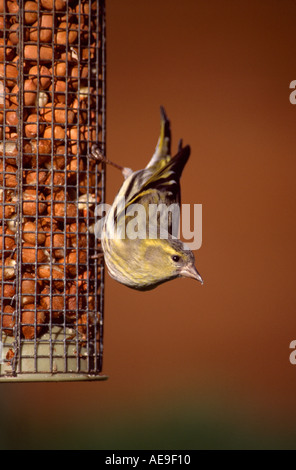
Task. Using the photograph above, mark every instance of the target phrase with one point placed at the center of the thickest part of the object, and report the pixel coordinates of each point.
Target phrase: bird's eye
(175, 258)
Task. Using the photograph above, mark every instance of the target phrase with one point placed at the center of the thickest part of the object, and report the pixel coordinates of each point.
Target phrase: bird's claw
(96, 153)
(99, 157)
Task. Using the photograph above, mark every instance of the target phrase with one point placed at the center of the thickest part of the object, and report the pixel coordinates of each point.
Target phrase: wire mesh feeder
(52, 109)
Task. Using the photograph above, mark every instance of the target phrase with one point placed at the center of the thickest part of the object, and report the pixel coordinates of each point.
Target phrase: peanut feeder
(52, 110)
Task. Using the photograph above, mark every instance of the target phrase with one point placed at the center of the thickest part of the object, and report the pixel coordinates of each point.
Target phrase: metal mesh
(52, 109)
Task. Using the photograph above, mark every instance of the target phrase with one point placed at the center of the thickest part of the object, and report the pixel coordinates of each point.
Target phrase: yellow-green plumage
(144, 263)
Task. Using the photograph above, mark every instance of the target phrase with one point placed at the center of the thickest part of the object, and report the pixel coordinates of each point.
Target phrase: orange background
(194, 366)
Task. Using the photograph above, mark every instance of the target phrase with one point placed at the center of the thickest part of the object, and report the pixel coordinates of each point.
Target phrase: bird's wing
(161, 188)
(165, 180)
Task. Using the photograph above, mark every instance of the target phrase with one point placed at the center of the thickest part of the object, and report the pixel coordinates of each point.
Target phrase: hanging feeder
(52, 110)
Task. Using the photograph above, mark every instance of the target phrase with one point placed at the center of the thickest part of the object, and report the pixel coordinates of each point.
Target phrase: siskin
(145, 262)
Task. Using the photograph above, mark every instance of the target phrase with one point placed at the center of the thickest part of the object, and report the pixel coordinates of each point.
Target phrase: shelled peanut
(53, 97)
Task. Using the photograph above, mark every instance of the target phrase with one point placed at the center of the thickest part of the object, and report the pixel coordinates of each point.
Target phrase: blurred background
(191, 366)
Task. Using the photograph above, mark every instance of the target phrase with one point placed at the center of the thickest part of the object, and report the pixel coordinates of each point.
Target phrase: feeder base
(51, 378)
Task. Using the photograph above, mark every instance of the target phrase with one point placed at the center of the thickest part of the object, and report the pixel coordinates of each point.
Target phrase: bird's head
(169, 258)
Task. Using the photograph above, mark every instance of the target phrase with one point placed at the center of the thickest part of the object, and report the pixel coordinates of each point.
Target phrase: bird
(144, 262)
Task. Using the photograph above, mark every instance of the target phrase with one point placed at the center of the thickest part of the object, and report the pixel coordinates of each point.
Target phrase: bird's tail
(162, 153)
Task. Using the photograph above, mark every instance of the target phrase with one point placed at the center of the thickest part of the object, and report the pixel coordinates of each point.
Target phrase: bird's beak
(191, 271)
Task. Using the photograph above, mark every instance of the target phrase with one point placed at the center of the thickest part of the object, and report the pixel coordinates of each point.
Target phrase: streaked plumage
(145, 263)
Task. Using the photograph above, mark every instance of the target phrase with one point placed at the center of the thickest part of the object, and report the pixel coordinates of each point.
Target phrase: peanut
(56, 240)
(60, 114)
(10, 72)
(31, 255)
(31, 52)
(7, 239)
(12, 6)
(66, 33)
(31, 12)
(30, 234)
(14, 33)
(58, 133)
(8, 290)
(44, 147)
(45, 27)
(28, 321)
(33, 126)
(30, 92)
(55, 273)
(59, 89)
(60, 207)
(8, 273)
(54, 303)
(73, 301)
(11, 116)
(29, 288)
(42, 75)
(30, 202)
(31, 177)
(8, 320)
(59, 5)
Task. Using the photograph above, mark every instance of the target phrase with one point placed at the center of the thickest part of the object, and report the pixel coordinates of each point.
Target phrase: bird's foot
(100, 158)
